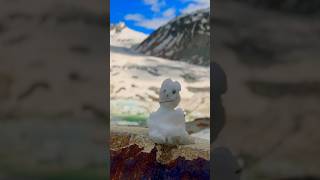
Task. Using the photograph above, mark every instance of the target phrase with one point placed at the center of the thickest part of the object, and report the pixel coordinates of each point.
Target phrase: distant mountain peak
(118, 27)
(122, 35)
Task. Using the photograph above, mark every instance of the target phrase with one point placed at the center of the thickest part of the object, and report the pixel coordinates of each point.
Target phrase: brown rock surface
(134, 155)
(122, 136)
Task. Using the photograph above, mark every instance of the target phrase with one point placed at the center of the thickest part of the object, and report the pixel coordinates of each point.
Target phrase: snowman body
(167, 124)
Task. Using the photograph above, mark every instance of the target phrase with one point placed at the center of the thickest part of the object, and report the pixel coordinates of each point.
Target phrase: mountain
(185, 38)
(121, 35)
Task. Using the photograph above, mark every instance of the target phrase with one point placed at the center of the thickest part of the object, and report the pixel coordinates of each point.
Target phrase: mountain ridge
(184, 38)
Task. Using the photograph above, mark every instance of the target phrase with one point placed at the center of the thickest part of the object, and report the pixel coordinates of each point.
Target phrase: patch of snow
(204, 134)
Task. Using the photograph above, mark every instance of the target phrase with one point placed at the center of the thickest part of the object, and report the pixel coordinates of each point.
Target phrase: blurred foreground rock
(50, 68)
(45, 147)
(53, 80)
(271, 61)
(134, 155)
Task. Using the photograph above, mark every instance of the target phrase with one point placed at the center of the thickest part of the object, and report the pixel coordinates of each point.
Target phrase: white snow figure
(167, 124)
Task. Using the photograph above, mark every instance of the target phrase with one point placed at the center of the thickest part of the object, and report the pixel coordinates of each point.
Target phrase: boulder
(133, 154)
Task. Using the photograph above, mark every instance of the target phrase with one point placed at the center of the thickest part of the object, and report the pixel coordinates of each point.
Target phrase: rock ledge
(123, 136)
(133, 154)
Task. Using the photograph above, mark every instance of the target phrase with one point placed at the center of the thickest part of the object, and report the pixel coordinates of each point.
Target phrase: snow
(168, 122)
(126, 37)
(204, 134)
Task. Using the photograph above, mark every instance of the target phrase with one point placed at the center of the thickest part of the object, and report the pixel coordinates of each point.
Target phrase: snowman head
(170, 93)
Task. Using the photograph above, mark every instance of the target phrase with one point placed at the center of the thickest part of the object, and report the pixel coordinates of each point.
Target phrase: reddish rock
(131, 163)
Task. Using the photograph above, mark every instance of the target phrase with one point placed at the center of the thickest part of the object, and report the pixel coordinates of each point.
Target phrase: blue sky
(147, 15)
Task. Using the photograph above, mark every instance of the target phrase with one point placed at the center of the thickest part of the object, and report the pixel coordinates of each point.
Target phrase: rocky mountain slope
(185, 38)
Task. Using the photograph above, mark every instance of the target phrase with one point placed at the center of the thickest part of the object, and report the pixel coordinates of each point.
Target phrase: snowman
(167, 124)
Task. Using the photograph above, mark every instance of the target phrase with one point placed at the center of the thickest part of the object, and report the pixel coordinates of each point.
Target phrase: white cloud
(171, 12)
(154, 22)
(134, 17)
(155, 4)
(195, 5)
(161, 17)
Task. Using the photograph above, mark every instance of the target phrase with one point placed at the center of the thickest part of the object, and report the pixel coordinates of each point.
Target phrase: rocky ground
(270, 56)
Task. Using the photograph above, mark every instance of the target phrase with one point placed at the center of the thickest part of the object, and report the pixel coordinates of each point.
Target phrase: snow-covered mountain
(121, 35)
(185, 38)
